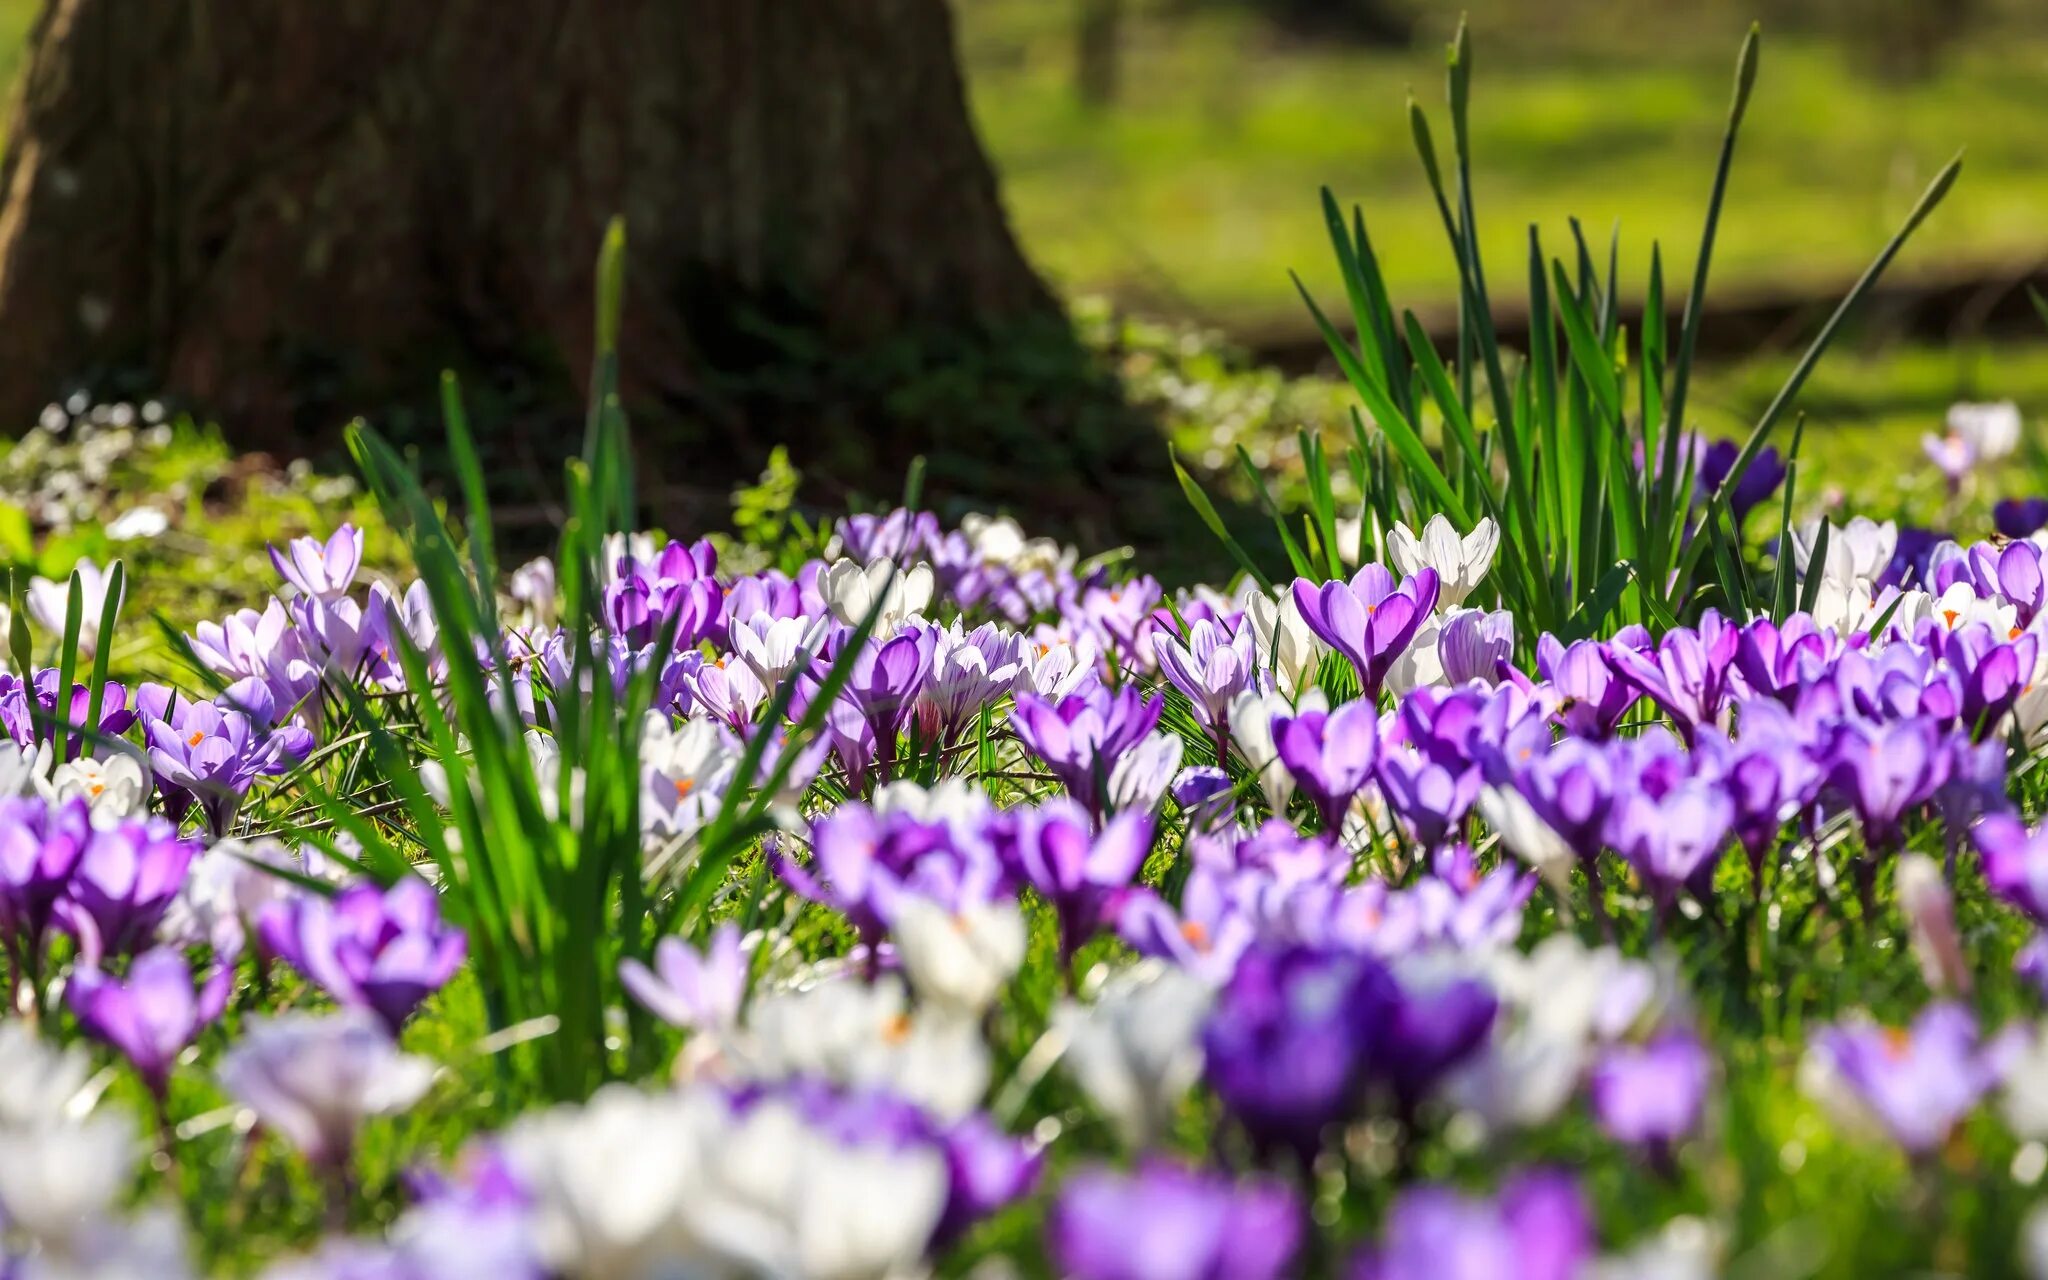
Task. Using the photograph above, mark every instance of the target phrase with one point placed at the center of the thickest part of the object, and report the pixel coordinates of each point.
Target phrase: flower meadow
(1577, 862)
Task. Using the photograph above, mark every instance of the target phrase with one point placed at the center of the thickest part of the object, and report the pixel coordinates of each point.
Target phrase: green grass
(1195, 193)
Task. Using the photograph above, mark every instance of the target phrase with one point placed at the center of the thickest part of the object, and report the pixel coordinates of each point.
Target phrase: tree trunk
(289, 211)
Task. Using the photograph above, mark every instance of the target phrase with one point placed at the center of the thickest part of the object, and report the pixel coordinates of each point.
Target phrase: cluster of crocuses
(1276, 851)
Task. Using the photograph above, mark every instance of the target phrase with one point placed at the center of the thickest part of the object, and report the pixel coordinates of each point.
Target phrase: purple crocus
(1885, 770)
(1688, 676)
(1668, 826)
(1593, 696)
(1651, 1095)
(1758, 481)
(1437, 1020)
(2015, 862)
(30, 715)
(40, 845)
(1291, 1041)
(1166, 1222)
(1214, 666)
(152, 1014)
(1776, 662)
(1083, 875)
(1330, 755)
(698, 990)
(385, 950)
(885, 680)
(125, 879)
(862, 862)
(213, 752)
(320, 570)
(1475, 645)
(1082, 736)
(2020, 517)
(1915, 1082)
(1538, 1228)
(1369, 619)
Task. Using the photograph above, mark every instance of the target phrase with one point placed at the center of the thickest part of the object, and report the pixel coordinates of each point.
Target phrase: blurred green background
(1166, 154)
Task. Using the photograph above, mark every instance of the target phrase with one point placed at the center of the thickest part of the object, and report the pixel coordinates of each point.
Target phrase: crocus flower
(853, 589)
(884, 683)
(314, 1078)
(1369, 619)
(1082, 736)
(1082, 874)
(1688, 675)
(1886, 770)
(1758, 481)
(2020, 517)
(700, 990)
(1651, 1095)
(1212, 668)
(861, 862)
(1330, 754)
(1438, 1018)
(1460, 564)
(124, 882)
(385, 950)
(49, 603)
(1671, 837)
(1539, 1228)
(40, 845)
(321, 570)
(1291, 1040)
(1593, 696)
(970, 670)
(1916, 1082)
(1136, 1049)
(1284, 650)
(30, 715)
(1975, 433)
(1166, 1222)
(152, 1014)
(213, 752)
(2015, 862)
(1474, 644)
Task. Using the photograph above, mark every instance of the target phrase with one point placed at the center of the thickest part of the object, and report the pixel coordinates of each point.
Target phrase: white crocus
(1251, 729)
(781, 1198)
(959, 961)
(1142, 775)
(2030, 712)
(49, 603)
(851, 591)
(59, 1180)
(1421, 664)
(1136, 1049)
(1527, 835)
(44, 1084)
(1859, 551)
(773, 647)
(608, 1180)
(115, 786)
(1460, 563)
(1960, 605)
(1052, 667)
(313, 1078)
(851, 1032)
(684, 774)
(1282, 644)
(949, 800)
(1930, 913)
(1991, 431)
(24, 771)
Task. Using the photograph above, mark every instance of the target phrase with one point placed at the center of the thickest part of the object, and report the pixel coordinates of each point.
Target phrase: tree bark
(289, 211)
